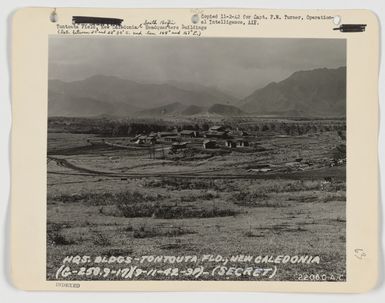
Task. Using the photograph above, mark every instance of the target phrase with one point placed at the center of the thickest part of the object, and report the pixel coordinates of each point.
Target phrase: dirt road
(337, 172)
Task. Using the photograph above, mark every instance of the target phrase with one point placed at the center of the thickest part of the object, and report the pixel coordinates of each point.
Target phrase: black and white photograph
(196, 159)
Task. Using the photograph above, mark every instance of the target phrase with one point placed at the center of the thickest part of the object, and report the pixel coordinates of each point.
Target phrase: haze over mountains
(115, 96)
(178, 109)
(319, 92)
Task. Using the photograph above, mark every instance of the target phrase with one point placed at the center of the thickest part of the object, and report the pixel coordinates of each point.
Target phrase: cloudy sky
(235, 65)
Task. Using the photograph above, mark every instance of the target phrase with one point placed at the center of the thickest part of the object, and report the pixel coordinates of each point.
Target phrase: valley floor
(283, 196)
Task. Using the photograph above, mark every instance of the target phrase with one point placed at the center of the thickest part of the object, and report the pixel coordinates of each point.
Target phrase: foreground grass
(269, 217)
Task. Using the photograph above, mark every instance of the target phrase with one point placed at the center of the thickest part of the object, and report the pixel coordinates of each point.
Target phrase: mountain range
(112, 95)
(319, 92)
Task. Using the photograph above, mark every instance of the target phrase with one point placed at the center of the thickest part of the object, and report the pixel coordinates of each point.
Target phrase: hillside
(213, 92)
(318, 92)
(164, 110)
(178, 109)
(225, 110)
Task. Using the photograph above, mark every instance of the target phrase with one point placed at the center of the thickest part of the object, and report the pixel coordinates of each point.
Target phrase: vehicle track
(327, 172)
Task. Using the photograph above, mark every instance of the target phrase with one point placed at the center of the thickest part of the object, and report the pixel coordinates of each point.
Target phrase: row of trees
(117, 128)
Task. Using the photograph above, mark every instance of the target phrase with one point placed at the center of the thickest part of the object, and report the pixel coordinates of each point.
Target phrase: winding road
(337, 172)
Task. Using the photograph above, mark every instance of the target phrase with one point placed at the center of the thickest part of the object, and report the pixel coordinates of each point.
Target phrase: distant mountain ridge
(123, 97)
(318, 92)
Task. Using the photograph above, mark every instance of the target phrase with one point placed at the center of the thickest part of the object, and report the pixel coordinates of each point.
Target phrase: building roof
(145, 138)
(215, 133)
(187, 132)
(217, 127)
(170, 134)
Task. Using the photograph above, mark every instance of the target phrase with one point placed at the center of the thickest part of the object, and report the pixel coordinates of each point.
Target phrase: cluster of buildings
(211, 136)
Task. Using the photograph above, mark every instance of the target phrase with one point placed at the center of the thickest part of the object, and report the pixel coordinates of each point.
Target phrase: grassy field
(107, 201)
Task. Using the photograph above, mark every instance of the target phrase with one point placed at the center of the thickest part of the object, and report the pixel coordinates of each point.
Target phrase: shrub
(340, 219)
(55, 235)
(201, 197)
(252, 199)
(180, 212)
(339, 152)
(181, 184)
(108, 198)
(251, 234)
(304, 198)
(101, 239)
(329, 198)
(295, 186)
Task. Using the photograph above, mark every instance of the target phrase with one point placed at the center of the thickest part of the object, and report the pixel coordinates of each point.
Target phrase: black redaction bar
(351, 28)
(96, 20)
